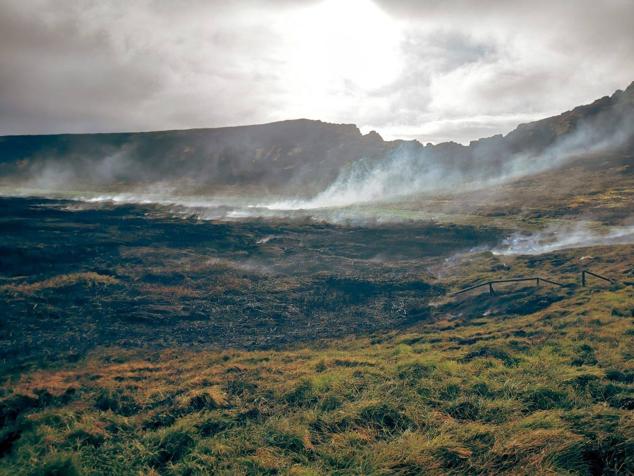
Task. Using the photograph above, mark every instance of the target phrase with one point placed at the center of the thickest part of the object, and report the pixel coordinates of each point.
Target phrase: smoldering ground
(564, 236)
(277, 168)
(134, 275)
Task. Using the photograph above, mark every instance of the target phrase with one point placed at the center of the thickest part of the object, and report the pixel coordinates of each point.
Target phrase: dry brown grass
(87, 278)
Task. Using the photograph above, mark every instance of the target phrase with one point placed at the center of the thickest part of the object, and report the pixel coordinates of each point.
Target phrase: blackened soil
(72, 278)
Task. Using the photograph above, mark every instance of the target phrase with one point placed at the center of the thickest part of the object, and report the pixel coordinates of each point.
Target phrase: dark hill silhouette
(296, 156)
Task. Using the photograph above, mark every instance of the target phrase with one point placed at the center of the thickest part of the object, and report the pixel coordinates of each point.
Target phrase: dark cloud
(434, 70)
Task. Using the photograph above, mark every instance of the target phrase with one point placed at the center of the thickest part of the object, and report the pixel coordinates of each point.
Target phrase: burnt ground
(73, 278)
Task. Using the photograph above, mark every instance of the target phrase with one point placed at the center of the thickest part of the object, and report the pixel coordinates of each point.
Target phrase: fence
(583, 277)
(537, 279)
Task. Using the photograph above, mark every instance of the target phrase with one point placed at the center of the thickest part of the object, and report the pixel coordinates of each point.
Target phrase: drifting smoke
(553, 238)
(410, 170)
(279, 168)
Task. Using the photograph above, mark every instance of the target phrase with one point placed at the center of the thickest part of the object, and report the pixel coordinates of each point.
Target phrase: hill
(304, 157)
(146, 337)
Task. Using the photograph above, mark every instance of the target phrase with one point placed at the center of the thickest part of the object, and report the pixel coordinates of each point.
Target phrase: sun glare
(337, 47)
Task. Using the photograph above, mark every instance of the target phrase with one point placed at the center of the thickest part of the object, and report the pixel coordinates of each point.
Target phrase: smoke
(554, 238)
(302, 168)
(402, 173)
(411, 170)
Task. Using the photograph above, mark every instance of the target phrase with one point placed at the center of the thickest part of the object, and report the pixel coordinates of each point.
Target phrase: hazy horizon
(429, 71)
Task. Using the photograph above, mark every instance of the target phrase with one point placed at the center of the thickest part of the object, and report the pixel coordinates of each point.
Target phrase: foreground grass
(547, 392)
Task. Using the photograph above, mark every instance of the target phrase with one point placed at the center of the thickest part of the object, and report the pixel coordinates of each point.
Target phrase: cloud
(430, 70)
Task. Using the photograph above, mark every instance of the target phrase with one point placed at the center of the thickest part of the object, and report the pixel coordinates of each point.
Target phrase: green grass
(546, 392)
(530, 381)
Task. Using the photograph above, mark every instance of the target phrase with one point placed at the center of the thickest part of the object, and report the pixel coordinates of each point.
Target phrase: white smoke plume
(554, 238)
(411, 171)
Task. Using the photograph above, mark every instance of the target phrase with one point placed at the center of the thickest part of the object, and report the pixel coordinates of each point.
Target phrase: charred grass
(529, 381)
(71, 280)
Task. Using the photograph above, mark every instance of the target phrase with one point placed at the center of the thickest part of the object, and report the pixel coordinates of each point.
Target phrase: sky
(432, 70)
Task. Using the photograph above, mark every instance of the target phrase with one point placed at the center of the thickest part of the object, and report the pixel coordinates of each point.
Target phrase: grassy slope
(595, 187)
(488, 387)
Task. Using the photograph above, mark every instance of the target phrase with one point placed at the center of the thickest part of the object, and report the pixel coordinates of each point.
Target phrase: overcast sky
(434, 70)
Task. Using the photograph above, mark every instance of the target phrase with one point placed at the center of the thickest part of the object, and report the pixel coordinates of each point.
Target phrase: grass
(61, 281)
(551, 391)
(117, 352)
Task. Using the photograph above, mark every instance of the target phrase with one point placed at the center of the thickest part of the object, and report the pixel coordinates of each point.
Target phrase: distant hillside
(607, 123)
(298, 156)
(288, 154)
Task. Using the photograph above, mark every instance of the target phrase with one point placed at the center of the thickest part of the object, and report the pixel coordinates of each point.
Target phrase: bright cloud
(431, 70)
